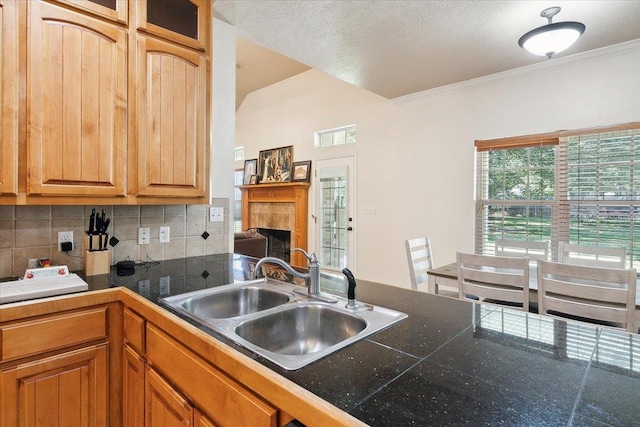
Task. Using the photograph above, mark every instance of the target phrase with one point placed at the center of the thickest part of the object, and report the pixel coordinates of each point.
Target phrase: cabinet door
(171, 97)
(9, 97)
(77, 97)
(69, 389)
(181, 21)
(164, 407)
(200, 420)
(132, 389)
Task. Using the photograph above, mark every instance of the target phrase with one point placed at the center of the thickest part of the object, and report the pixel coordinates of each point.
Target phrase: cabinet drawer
(51, 333)
(134, 330)
(224, 400)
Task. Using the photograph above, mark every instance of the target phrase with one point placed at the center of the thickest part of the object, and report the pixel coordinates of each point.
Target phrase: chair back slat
(581, 290)
(504, 278)
(494, 278)
(576, 308)
(598, 293)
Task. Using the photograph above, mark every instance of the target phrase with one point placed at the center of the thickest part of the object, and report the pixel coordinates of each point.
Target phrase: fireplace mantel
(258, 198)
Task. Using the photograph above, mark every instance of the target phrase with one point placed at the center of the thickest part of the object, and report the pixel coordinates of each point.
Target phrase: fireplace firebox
(278, 243)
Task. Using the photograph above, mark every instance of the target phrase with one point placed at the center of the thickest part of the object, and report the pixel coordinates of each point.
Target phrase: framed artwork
(275, 165)
(253, 180)
(301, 171)
(250, 169)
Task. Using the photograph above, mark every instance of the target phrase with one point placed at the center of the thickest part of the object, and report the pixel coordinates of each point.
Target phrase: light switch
(144, 235)
(369, 209)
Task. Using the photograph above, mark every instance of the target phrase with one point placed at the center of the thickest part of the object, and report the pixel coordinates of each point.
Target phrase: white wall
(415, 156)
(223, 118)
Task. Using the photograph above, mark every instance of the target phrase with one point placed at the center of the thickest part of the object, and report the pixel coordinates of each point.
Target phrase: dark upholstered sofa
(250, 243)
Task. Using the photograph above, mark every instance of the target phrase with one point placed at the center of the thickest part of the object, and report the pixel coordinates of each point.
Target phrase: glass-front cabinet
(182, 21)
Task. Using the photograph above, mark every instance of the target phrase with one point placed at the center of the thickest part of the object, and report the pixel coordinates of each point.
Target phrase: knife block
(96, 262)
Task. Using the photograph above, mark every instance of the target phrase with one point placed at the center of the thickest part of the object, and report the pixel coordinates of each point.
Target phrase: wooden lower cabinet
(164, 406)
(149, 400)
(132, 388)
(225, 400)
(199, 420)
(67, 389)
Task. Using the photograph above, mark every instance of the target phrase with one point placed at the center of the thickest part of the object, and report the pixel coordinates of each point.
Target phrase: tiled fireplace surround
(280, 216)
(32, 232)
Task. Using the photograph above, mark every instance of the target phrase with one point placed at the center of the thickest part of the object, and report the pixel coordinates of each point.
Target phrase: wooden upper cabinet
(77, 100)
(182, 21)
(172, 106)
(115, 10)
(9, 84)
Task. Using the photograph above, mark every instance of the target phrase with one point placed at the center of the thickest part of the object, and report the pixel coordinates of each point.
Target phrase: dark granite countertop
(450, 362)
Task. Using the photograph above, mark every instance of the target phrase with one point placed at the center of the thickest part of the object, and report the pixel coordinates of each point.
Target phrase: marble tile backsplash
(32, 232)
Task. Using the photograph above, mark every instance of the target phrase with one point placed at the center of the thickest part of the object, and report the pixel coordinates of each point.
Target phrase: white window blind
(599, 190)
(515, 194)
(238, 177)
(585, 189)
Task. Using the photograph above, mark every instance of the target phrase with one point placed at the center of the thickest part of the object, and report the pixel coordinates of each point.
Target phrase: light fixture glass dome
(551, 39)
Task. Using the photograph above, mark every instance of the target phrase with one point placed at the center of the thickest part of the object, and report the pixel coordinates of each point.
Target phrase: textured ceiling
(395, 48)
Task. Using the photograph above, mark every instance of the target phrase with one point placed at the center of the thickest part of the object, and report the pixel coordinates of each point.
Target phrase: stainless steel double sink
(278, 322)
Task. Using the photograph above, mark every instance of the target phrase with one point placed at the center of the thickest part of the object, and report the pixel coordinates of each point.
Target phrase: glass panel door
(335, 220)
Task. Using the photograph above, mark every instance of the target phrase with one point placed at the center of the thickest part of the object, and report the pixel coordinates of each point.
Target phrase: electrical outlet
(165, 234)
(144, 235)
(65, 237)
(216, 214)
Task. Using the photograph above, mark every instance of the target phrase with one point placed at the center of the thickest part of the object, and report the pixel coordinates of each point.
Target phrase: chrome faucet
(311, 278)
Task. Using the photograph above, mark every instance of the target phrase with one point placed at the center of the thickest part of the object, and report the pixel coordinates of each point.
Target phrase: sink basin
(300, 329)
(231, 300)
(235, 302)
(279, 322)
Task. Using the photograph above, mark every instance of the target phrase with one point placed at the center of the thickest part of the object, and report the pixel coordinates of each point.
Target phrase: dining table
(447, 276)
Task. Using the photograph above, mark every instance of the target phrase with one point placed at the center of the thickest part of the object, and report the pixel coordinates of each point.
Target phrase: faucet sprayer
(351, 290)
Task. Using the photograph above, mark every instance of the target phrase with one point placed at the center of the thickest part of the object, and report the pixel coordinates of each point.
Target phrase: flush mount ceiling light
(551, 38)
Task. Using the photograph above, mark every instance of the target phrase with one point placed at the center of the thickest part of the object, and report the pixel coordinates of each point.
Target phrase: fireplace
(279, 206)
(278, 243)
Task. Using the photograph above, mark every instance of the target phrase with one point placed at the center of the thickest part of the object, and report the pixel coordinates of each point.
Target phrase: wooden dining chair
(534, 249)
(494, 279)
(592, 294)
(592, 256)
(420, 260)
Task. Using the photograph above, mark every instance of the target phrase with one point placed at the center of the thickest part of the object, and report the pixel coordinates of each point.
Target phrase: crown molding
(607, 52)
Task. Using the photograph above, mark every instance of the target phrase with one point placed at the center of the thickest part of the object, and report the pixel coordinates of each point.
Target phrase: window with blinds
(238, 177)
(578, 188)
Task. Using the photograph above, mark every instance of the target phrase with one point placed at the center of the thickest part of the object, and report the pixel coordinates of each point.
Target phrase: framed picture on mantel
(250, 169)
(275, 165)
(301, 171)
